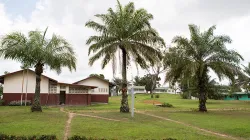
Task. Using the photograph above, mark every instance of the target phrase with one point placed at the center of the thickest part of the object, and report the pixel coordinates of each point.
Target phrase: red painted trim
(50, 99)
(101, 98)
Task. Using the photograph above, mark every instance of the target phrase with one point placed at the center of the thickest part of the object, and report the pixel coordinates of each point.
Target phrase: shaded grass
(140, 127)
(21, 121)
(234, 123)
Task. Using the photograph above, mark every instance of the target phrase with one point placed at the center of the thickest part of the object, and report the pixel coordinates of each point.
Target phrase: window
(62, 87)
(71, 90)
(53, 88)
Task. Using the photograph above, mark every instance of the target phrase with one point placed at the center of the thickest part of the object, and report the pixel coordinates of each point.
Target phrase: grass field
(20, 121)
(234, 122)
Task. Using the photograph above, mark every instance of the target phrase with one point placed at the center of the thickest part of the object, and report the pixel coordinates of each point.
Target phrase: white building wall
(102, 86)
(13, 83)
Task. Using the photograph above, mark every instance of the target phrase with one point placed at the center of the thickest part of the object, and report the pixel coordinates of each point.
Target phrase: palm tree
(244, 80)
(118, 84)
(37, 51)
(127, 30)
(196, 56)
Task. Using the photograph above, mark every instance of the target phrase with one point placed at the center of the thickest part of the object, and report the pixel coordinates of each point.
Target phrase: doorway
(62, 97)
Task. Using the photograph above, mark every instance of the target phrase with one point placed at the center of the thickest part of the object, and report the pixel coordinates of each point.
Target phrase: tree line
(127, 31)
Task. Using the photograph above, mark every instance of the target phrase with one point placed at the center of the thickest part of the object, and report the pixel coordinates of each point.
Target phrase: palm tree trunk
(124, 102)
(202, 94)
(36, 103)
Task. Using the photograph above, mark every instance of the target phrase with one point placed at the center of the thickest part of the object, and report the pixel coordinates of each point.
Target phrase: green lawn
(175, 100)
(234, 123)
(140, 127)
(20, 121)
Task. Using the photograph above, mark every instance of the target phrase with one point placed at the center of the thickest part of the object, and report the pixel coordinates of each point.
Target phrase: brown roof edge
(2, 76)
(92, 87)
(92, 77)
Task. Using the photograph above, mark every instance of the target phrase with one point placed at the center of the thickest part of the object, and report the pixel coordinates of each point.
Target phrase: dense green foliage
(147, 81)
(18, 103)
(195, 57)
(166, 105)
(126, 30)
(157, 96)
(244, 79)
(214, 90)
(42, 137)
(38, 51)
(98, 75)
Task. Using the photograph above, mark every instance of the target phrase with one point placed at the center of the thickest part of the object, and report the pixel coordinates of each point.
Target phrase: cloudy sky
(171, 17)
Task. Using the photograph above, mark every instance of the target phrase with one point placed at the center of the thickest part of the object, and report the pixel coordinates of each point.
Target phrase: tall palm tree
(128, 30)
(37, 51)
(196, 56)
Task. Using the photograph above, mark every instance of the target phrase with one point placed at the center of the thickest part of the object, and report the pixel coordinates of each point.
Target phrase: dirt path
(72, 115)
(67, 127)
(192, 126)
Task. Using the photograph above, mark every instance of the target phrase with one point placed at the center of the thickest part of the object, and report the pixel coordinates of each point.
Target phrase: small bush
(167, 105)
(184, 95)
(157, 96)
(42, 137)
(18, 103)
(83, 138)
(1, 102)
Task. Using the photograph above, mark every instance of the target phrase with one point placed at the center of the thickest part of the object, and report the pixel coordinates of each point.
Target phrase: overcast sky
(171, 18)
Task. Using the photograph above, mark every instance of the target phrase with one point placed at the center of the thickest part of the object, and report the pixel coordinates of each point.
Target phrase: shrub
(42, 137)
(167, 105)
(18, 103)
(169, 139)
(184, 95)
(83, 138)
(1, 102)
(157, 96)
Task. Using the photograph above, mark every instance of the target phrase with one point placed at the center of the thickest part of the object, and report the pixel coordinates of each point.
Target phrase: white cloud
(67, 18)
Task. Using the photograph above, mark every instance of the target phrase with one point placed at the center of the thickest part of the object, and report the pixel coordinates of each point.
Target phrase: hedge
(50, 137)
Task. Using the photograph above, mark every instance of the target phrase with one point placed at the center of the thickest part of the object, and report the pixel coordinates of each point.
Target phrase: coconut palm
(196, 56)
(127, 30)
(37, 51)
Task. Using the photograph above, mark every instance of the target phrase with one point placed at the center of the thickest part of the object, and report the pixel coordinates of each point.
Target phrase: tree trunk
(124, 102)
(151, 92)
(202, 93)
(153, 78)
(36, 102)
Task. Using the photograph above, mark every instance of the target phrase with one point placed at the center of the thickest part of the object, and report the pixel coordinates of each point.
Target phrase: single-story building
(101, 93)
(141, 89)
(238, 96)
(83, 92)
